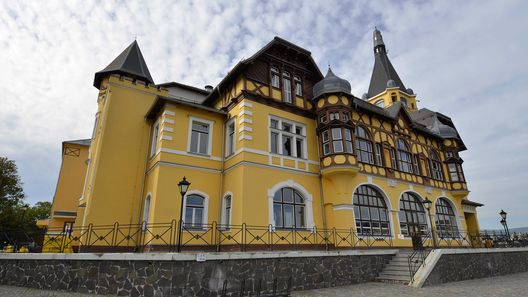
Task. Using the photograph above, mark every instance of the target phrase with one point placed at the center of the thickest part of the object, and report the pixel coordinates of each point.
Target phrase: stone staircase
(397, 270)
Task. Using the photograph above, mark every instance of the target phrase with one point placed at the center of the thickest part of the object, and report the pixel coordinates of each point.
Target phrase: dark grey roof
(183, 86)
(472, 203)
(161, 100)
(383, 71)
(331, 84)
(130, 62)
(83, 142)
(242, 64)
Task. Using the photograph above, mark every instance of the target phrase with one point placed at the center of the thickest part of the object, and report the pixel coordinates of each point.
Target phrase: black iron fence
(176, 236)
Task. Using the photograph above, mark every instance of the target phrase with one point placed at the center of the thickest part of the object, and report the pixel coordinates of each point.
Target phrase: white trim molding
(308, 199)
(210, 124)
(206, 205)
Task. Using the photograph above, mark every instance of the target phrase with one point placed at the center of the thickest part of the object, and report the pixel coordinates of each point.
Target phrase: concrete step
(394, 277)
(396, 268)
(399, 260)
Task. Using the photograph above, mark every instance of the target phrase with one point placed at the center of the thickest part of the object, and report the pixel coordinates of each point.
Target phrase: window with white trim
(404, 157)
(230, 137)
(364, 150)
(287, 138)
(455, 172)
(286, 87)
(380, 103)
(436, 167)
(194, 211)
(200, 137)
(275, 79)
(288, 209)
(226, 212)
(146, 213)
(155, 137)
(298, 85)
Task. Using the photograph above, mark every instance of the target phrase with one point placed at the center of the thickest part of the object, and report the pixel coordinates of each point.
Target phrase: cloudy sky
(466, 59)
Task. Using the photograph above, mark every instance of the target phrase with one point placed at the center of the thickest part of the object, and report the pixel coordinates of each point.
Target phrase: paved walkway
(501, 286)
(504, 286)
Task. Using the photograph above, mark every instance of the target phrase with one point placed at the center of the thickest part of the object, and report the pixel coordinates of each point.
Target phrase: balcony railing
(176, 237)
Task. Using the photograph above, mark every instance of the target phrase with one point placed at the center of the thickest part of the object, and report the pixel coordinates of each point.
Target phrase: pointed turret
(383, 75)
(130, 63)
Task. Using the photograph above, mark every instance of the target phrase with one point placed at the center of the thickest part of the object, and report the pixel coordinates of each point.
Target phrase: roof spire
(130, 63)
(379, 46)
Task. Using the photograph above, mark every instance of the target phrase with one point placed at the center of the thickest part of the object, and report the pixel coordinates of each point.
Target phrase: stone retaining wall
(182, 275)
(458, 265)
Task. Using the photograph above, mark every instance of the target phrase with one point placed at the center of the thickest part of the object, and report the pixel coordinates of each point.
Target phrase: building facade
(275, 145)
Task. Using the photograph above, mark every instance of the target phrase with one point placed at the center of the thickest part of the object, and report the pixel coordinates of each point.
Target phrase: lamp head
(184, 186)
(427, 203)
(503, 214)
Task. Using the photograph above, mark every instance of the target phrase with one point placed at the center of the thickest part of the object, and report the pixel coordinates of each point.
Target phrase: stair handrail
(417, 257)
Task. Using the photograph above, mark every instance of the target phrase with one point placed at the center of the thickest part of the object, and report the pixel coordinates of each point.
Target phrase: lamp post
(428, 203)
(184, 186)
(503, 222)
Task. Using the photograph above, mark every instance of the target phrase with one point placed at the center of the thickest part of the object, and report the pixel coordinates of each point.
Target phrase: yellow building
(277, 155)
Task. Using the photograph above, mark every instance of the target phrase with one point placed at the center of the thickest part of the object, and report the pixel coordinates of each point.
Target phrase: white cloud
(464, 59)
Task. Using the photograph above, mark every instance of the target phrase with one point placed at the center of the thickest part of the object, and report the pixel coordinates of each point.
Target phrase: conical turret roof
(331, 84)
(130, 62)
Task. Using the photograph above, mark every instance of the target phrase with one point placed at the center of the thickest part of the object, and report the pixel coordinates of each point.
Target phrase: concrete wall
(182, 275)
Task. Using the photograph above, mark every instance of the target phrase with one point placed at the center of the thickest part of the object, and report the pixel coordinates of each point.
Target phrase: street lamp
(184, 186)
(503, 222)
(427, 204)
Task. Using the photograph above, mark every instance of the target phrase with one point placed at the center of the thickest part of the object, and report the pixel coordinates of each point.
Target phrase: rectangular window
(287, 90)
(287, 138)
(230, 138)
(393, 159)
(154, 140)
(326, 142)
(298, 88)
(274, 142)
(453, 172)
(199, 138)
(379, 158)
(337, 140)
(416, 165)
(348, 141)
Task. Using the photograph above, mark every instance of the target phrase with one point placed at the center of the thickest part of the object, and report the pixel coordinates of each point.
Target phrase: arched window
(404, 157)
(288, 209)
(413, 218)
(436, 167)
(370, 210)
(275, 79)
(446, 222)
(146, 213)
(286, 87)
(194, 211)
(363, 146)
(226, 212)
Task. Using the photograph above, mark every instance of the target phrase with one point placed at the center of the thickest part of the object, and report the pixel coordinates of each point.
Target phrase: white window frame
(287, 87)
(293, 136)
(210, 132)
(298, 85)
(146, 212)
(226, 224)
(205, 209)
(154, 138)
(275, 77)
(308, 199)
(230, 139)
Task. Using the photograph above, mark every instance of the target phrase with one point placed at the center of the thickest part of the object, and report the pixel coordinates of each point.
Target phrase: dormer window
(286, 87)
(404, 101)
(380, 103)
(298, 85)
(275, 78)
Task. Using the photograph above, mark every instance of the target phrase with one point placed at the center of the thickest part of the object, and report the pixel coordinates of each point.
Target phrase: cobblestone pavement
(502, 286)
